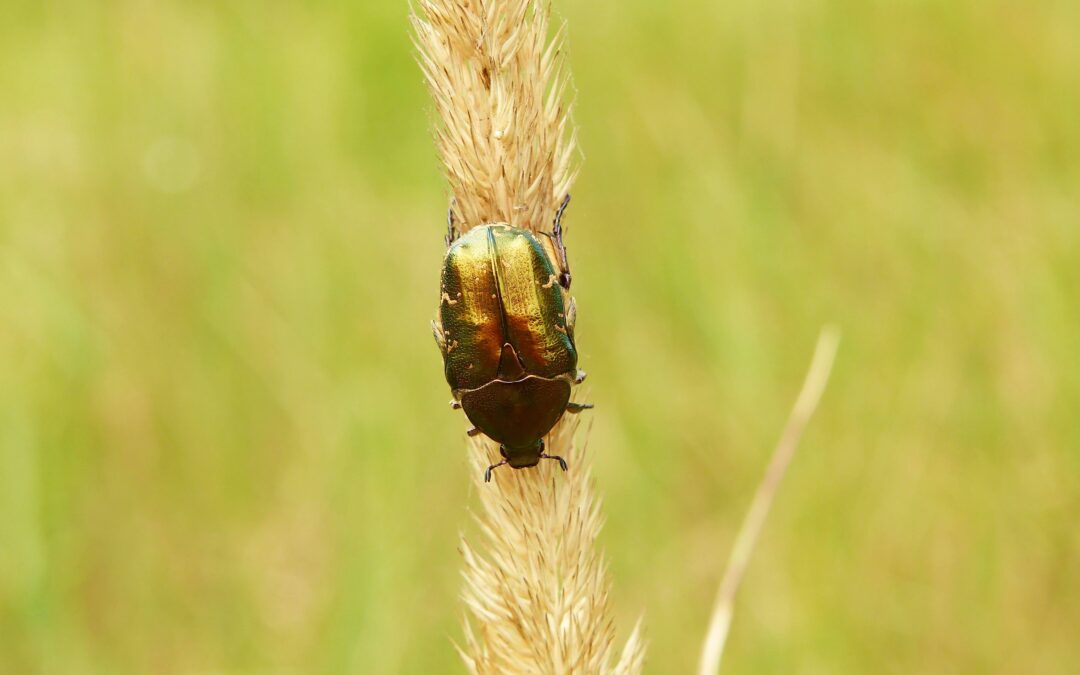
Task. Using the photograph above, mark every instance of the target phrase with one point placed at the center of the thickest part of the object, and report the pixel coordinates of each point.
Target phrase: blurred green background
(224, 439)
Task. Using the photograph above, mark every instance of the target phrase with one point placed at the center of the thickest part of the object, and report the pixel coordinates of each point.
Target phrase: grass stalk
(536, 585)
(750, 530)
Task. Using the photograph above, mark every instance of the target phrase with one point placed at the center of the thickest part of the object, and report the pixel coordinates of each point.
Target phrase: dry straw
(813, 387)
(535, 585)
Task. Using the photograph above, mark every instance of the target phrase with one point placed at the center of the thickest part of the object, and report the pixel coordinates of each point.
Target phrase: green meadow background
(225, 445)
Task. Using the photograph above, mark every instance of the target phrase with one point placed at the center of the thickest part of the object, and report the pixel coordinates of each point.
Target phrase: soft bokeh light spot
(172, 165)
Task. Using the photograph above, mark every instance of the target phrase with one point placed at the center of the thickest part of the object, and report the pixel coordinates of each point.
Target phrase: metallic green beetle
(506, 333)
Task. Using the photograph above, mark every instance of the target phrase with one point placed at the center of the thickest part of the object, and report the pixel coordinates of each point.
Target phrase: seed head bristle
(535, 585)
(500, 90)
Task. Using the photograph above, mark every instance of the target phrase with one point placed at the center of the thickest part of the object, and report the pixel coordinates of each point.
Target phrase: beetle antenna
(487, 474)
(560, 460)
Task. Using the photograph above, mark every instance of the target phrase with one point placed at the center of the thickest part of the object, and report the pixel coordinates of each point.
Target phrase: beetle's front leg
(578, 407)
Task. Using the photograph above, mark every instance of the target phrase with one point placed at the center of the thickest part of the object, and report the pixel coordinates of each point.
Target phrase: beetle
(506, 334)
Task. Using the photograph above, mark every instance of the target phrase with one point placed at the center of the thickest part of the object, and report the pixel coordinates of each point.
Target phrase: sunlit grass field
(225, 445)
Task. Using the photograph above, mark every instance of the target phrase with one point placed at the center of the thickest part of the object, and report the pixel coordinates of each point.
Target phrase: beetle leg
(564, 263)
(580, 377)
(578, 407)
(440, 338)
(473, 432)
(451, 233)
(487, 474)
(455, 404)
(560, 460)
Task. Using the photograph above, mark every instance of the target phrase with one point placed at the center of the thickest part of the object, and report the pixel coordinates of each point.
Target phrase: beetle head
(521, 458)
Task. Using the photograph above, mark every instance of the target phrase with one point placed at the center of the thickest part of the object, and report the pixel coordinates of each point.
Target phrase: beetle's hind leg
(556, 231)
(578, 407)
(451, 232)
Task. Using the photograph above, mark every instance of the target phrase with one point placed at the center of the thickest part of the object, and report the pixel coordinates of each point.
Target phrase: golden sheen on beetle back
(506, 334)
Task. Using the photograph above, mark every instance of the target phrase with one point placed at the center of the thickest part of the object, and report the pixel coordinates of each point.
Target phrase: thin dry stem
(813, 387)
(536, 586)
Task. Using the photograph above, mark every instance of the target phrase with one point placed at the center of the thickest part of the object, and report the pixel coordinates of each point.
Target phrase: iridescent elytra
(506, 334)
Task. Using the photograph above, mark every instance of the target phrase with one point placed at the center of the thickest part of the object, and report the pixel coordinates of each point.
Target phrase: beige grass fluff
(500, 90)
(536, 586)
